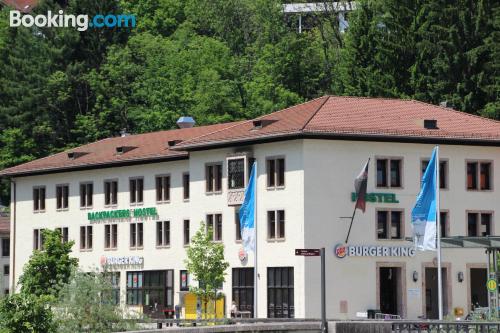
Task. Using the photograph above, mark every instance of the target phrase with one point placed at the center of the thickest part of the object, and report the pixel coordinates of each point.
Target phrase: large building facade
(132, 203)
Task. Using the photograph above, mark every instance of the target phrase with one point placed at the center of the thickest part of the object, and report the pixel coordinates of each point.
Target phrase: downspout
(13, 235)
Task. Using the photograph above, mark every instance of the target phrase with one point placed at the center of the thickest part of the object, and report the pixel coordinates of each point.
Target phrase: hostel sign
(377, 197)
(122, 214)
(342, 251)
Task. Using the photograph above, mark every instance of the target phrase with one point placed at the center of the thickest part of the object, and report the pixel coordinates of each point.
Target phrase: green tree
(206, 264)
(86, 304)
(25, 313)
(48, 270)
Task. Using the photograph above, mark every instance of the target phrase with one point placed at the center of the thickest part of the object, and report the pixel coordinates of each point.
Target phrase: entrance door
(390, 291)
(431, 293)
(243, 285)
(478, 292)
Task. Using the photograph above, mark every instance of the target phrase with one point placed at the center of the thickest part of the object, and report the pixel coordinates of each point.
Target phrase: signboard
(122, 214)
(121, 261)
(491, 285)
(377, 197)
(307, 252)
(342, 251)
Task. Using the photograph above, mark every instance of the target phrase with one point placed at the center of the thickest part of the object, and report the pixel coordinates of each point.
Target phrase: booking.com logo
(81, 22)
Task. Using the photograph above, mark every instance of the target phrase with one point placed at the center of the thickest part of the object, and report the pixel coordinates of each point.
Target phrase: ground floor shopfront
(404, 286)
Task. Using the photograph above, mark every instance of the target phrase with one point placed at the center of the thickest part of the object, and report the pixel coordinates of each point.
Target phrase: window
(111, 236)
(163, 233)
(479, 175)
(64, 234)
(39, 199)
(443, 172)
(163, 188)
(5, 247)
(237, 223)
(184, 280)
(236, 173)
(243, 288)
(213, 177)
(136, 235)
(185, 185)
(389, 224)
(187, 237)
(62, 196)
(275, 172)
(86, 195)
(443, 221)
(38, 239)
(110, 192)
(479, 224)
(150, 288)
(136, 190)
(114, 279)
(389, 172)
(276, 224)
(214, 223)
(86, 240)
(6, 270)
(280, 293)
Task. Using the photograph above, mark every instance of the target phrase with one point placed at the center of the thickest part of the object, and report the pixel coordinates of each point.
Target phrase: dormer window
(123, 149)
(76, 154)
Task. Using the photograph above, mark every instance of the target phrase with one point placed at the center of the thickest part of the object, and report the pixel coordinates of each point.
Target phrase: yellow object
(459, 312)
(491, 284)
(190, 301)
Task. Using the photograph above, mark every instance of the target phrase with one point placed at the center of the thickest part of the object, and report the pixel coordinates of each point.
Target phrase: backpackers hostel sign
(122, 214)
(377, 197)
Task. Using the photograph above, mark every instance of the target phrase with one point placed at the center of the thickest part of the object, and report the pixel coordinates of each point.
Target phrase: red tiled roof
(358, 117)
(148, 146)
(4, 224)
(328, 116)
(21, 5)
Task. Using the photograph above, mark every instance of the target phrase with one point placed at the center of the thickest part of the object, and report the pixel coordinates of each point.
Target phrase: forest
(225, 60)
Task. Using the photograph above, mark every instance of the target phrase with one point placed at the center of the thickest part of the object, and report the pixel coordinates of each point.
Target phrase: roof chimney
(186, 122)
(124, 133)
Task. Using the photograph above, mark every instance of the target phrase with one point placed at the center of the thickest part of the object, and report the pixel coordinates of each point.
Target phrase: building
(303, 16)
(133, 202)
(5, 251)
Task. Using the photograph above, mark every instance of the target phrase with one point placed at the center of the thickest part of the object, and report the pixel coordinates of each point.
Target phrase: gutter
(13, 210)
(336, 136)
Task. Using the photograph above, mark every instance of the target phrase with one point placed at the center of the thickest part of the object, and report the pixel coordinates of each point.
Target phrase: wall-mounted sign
(242, 254)
(377, 197)
(342, 251)
(122, 261)
(122, 214)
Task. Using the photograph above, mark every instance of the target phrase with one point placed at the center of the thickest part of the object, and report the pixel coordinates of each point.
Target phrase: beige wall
(330, 168)
(319, 180)
(199, 204)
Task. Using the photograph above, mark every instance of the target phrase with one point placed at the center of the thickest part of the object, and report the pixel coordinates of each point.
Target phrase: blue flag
(423, 215)
(247, 213)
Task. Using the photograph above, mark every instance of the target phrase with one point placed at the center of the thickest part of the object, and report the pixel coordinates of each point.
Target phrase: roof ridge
(457, 111)
(252, 119)
(315, 112)
(235, 123)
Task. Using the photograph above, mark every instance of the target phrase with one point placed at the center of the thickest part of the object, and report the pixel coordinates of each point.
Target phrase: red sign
(307, 252)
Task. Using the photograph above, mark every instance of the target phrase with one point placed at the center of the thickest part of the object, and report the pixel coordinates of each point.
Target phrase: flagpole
(255, 277)
(438, 231)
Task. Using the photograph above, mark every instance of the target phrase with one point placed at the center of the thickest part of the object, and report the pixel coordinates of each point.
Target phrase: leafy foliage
(86, 304)
(24, 313)
(206, 264)
(226, 60)
(48, 270)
